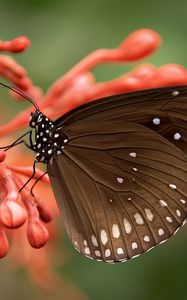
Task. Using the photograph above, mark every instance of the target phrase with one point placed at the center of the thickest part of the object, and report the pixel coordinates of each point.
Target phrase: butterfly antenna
(17, 91)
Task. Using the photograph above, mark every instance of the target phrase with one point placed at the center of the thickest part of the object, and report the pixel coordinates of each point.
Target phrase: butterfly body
(118, 169)
(49, 140)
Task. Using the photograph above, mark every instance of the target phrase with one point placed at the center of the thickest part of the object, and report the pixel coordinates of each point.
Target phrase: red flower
(74, 88)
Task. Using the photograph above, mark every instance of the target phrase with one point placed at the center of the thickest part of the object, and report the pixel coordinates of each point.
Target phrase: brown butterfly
(118, 169)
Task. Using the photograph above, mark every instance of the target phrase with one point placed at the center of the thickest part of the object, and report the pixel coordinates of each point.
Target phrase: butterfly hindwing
(122, 188)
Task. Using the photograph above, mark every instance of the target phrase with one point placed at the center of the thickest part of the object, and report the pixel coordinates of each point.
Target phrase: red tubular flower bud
(2, 155)
(4, 244)
(19, 44)
(45, 214)
(16, 45)
(139, 44)
(37, 233)
(12, 214)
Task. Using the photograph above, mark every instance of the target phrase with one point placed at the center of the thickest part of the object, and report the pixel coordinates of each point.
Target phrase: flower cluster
(76, 87)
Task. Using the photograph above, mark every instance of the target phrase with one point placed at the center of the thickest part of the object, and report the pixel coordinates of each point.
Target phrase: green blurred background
(62, 33)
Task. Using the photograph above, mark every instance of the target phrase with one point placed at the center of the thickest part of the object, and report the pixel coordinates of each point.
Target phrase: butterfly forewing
(163, 110)
(122, 188)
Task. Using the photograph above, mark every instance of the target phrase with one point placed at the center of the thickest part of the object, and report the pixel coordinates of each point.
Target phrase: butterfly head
(36, 118)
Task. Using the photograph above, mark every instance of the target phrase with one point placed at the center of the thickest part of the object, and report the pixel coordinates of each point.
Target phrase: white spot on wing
(182, 201)
(160, 231)
(163, 203)
(172, 186)
(133, 154)
(107, 252)
(104, 238)
(98, 253)
(115, 231)
(169, 219)
(177, 136)
(146, 238)
(120, 179)
(134, 245)
(120, 251)
(175, 93)
(156, 121)
(85, 243)
(138, 219)
(127, 225)
(87, 250)
(149, 214)
(94, 241)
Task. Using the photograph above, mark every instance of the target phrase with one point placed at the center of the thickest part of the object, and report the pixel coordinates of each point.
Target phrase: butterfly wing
(121, 186)
(163, 110)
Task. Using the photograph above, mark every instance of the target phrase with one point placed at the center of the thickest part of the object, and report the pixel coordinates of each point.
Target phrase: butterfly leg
(36, 183)
(32, 176)
(20, 141)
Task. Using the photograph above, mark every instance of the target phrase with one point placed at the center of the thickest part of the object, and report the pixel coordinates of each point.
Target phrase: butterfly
(118, 170)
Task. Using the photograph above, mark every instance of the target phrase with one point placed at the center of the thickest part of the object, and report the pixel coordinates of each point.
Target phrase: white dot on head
(104, 238)
(98, 253)
(160, 231)
(132, 154)
(107, 252)
(169, 219)
(146, 238)
(175, 93)
(172, 186)
(156, 121)
(163, 203)
(177, 136)
(178, 212)
(120, 251)
(87, 250)
(127, 225)
(138, 218)
(115, 231)
(120, 179)
(94, 241)
(134, 245)
(50, 151)
(149, 214)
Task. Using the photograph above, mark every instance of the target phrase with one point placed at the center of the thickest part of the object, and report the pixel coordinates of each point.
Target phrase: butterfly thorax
(49, 140)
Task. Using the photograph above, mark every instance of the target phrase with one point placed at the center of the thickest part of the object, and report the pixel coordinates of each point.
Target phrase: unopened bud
(19, 44)
(12, 214)
(37, 233)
